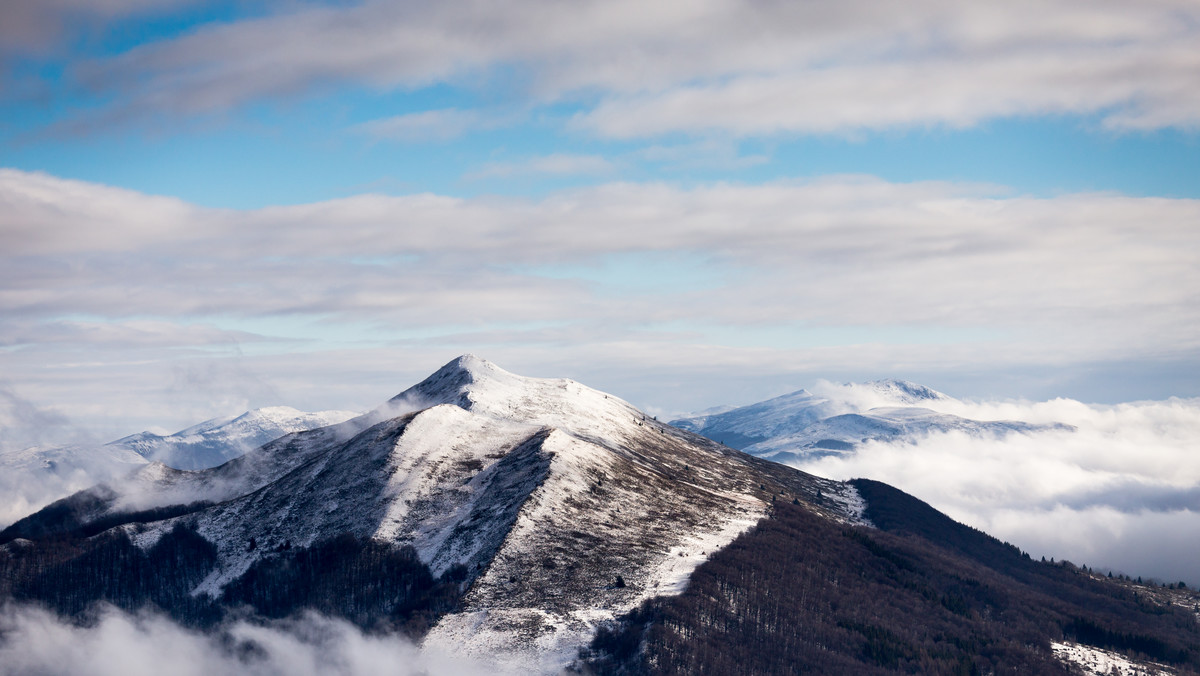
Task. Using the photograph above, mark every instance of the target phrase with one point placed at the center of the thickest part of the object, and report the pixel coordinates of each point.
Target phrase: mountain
(214, 442)
(554, 506)
(33, 477)
(523, 520)
(802, 425)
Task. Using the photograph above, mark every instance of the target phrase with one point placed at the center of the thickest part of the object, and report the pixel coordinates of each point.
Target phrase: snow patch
(1105, 662)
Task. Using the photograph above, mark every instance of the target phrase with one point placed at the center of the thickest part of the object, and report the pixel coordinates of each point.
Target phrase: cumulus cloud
(742, 67)
(33, 641)
(1120, 491)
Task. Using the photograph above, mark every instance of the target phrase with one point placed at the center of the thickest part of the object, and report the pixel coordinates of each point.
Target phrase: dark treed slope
(921, 594)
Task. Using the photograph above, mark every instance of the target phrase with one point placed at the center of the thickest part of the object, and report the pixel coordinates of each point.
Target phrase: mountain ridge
(801, 425)
(521, 520)
(538, 495)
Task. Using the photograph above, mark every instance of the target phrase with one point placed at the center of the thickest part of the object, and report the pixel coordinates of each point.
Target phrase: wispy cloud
(739, 67)
(429, 125)
(557, 164)
(23, 422)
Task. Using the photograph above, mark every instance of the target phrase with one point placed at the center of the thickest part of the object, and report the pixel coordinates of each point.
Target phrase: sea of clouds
(1121, 491)
(116, 643)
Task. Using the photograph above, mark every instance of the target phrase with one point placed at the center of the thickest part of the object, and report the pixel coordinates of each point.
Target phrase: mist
(1120, 492)
(116, 643)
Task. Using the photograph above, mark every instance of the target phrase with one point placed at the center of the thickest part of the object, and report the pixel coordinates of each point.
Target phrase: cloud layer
(33, 641)
(749, 68)
(841, 276)
(1120, 492)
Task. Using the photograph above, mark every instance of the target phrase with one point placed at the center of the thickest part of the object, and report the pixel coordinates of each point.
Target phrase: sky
(212, 206)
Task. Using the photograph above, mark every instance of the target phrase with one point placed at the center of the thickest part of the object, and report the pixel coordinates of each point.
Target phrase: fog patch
(24, 423)
(34, 641)
(1120, 491)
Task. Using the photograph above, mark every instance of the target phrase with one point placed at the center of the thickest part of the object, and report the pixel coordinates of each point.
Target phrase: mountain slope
(802, 425)
(555, 506)
(511, 519)
(214, 442)
(34, 477)
(918, 594)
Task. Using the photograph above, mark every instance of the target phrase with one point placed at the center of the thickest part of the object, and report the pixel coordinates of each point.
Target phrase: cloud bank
(843, 275)
(1121, 492)
(33, 641)
(746, 68)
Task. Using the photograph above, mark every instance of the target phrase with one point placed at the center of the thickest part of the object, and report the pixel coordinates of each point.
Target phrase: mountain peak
(452, 383)
(906, 391)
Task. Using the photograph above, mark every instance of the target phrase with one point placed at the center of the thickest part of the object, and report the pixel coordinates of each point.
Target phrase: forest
(920, 594)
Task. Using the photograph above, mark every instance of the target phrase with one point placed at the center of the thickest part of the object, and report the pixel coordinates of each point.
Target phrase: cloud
(429, 125)
(557, 164)
(1117, 274)
(120, 335)
(105, 290)
(38, 27)
(22, 422)
(35, 641)
(1121, 491)
(747, 68)
(708, 153)
(954, 93)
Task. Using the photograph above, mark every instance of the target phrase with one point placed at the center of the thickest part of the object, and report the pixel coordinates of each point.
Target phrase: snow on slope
(140, 467)
(214, 442)
(842, 433)
(1104, 662)
(803, 425)
(544, 489)
(791, 413)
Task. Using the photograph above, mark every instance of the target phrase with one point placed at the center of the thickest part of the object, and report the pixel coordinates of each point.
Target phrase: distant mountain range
(214, 442)
(542, 525)
(33, 477)
(801, 425)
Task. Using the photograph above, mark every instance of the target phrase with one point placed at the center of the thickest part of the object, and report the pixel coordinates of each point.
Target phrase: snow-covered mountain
(537, 523)
(562, 505)
(803, 425)
(214, 442)
(33, 477)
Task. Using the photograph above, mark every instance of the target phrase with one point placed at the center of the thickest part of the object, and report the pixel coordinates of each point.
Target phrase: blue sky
(212, 206)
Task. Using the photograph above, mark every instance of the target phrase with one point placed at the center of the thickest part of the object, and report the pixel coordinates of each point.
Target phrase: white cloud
(1122, 491)
(556, 164)
(24, 423)
(732, 65)
(34, 641)
(105, 290)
